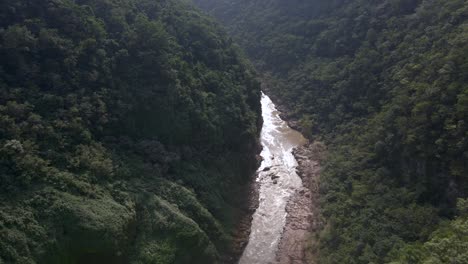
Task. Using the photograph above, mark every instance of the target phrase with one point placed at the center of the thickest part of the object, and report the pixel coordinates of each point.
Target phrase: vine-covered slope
(126, 130)
(384, 83)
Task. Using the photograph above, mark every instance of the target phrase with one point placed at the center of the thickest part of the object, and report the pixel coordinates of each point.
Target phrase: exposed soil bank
(298, 242)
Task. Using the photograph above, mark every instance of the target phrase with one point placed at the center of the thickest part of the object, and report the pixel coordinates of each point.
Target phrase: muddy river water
(277, 180)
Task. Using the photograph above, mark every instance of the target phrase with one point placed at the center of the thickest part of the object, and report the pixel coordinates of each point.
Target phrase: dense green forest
(127, 128)
(385, 84)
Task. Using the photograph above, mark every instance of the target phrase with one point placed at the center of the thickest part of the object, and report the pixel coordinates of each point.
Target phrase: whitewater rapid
(277, 180)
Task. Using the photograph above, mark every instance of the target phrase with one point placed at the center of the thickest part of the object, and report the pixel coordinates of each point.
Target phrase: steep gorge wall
(127, 130)
(383, 83)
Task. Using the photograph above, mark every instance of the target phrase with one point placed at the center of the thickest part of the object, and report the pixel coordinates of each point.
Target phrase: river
(277, 180)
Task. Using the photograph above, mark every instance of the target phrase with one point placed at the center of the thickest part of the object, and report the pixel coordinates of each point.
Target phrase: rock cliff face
(127, 131)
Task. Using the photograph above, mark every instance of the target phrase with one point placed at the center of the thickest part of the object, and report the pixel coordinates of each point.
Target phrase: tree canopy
(126, 130)
(385, 84)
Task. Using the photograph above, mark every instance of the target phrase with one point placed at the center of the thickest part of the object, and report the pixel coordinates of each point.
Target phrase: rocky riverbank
(299, 240)
(297, 245)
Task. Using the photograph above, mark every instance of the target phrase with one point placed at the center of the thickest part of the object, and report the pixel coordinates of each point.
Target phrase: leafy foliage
(384, 83)
(127, 128)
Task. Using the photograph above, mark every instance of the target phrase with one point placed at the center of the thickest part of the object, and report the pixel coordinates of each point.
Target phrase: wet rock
(303, 218)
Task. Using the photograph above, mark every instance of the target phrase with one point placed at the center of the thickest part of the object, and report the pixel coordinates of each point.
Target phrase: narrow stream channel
(278, 180)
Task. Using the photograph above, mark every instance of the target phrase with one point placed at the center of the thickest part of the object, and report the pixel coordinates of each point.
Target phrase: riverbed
(277, 180)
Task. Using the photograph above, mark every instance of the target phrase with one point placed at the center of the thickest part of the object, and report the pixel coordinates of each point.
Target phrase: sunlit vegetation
(385, 84)
(127, 128)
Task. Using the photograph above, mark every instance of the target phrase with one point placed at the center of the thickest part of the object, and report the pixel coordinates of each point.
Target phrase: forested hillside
(385, 84)
(126, 130)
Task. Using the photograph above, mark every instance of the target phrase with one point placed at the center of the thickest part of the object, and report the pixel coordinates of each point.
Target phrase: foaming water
(278, 180)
